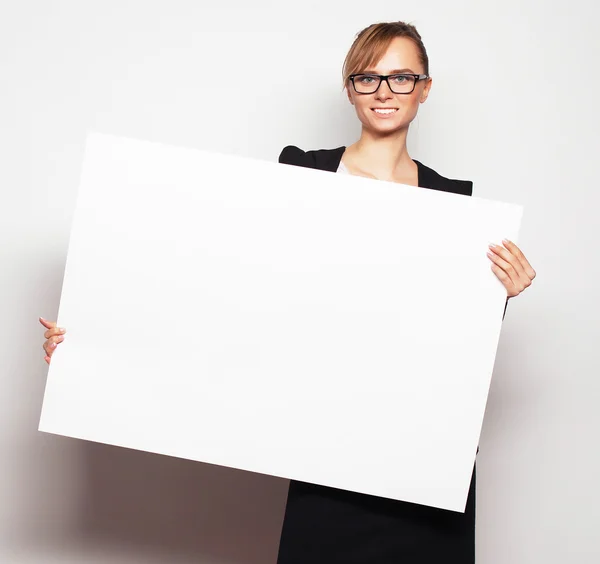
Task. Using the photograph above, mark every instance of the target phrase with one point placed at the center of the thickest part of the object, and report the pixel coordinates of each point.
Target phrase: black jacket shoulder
(329, 159)
(429, 178)
(322, 159)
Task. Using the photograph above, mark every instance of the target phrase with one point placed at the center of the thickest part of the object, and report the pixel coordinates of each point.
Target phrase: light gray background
(511, 108)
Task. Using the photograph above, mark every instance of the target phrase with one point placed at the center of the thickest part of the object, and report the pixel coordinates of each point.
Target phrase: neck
(383, 156)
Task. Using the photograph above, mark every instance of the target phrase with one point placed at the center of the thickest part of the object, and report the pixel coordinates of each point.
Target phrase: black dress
(324, 525)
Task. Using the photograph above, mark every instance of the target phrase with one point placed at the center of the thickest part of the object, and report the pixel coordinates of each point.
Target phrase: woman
(386, 74)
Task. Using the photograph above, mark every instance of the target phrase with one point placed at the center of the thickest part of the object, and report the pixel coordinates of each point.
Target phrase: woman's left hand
(511, 267)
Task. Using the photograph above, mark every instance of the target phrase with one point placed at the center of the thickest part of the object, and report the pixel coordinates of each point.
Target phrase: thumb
(47, 324)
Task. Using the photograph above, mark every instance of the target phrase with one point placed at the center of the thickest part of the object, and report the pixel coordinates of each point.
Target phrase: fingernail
(63, 330)
(506, 241)
(52, 345)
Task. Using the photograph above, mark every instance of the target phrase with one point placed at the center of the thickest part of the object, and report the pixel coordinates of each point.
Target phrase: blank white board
(293, 322)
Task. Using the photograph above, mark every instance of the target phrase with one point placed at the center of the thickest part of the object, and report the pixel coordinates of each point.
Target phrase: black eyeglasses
(397, 83)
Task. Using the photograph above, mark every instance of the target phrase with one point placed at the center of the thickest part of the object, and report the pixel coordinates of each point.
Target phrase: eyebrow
(395, 71)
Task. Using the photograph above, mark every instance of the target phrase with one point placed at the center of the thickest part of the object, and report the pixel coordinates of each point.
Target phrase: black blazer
(329, 159)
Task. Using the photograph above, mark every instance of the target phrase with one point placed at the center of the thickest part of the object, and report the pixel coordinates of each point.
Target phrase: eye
(366, 79)
(401, 78)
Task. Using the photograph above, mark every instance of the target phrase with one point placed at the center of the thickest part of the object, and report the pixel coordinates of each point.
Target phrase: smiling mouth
(385, 111)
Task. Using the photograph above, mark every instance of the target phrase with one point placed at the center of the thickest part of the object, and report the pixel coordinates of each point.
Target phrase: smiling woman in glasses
(386, 75)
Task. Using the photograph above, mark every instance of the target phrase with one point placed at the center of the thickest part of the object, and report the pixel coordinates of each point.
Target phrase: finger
(53, 332)
(509, 269)
(49, 349)
(514, 249)
(56, 340)
(524, 278)
(47, 359)
(506, 281)
(509, 258)
(47, 324)
(51, 344)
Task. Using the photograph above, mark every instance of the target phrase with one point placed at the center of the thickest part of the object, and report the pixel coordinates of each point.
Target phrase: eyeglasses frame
(385, 77)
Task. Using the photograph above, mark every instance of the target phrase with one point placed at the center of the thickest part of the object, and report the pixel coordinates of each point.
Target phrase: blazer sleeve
(293, 155)
(464, 187)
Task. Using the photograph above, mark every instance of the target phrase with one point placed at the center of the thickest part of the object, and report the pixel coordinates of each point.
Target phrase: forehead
(401, 53)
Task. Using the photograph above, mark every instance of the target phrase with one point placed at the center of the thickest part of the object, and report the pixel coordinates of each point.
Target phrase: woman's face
(402, 56)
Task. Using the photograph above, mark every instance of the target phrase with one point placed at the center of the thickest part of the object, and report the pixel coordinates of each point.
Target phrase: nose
(384, 92)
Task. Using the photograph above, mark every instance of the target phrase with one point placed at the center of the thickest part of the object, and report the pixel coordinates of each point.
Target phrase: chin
(397, 123)
(388, 128)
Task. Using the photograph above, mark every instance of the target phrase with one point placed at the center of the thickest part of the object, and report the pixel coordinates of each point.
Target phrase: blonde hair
(372, 43)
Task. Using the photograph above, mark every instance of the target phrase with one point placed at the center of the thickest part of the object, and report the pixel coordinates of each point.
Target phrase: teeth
(381, 111)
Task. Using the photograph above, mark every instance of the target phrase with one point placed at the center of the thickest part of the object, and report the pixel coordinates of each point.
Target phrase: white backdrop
(511, 109)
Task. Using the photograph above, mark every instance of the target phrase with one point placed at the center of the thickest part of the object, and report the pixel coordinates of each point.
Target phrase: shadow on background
(59, 495)
(179, 507)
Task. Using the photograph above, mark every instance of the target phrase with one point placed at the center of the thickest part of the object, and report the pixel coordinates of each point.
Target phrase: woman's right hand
(54, 336)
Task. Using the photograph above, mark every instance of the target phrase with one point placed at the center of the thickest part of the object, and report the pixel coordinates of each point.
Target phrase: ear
(426, 91)
(349, 95)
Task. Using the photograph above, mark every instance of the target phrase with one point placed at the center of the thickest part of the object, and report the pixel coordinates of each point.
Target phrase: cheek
(409, 106)
(412, 100)
(362, 108)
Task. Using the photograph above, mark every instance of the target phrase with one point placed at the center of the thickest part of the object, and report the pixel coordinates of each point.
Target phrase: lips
(384, 112)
